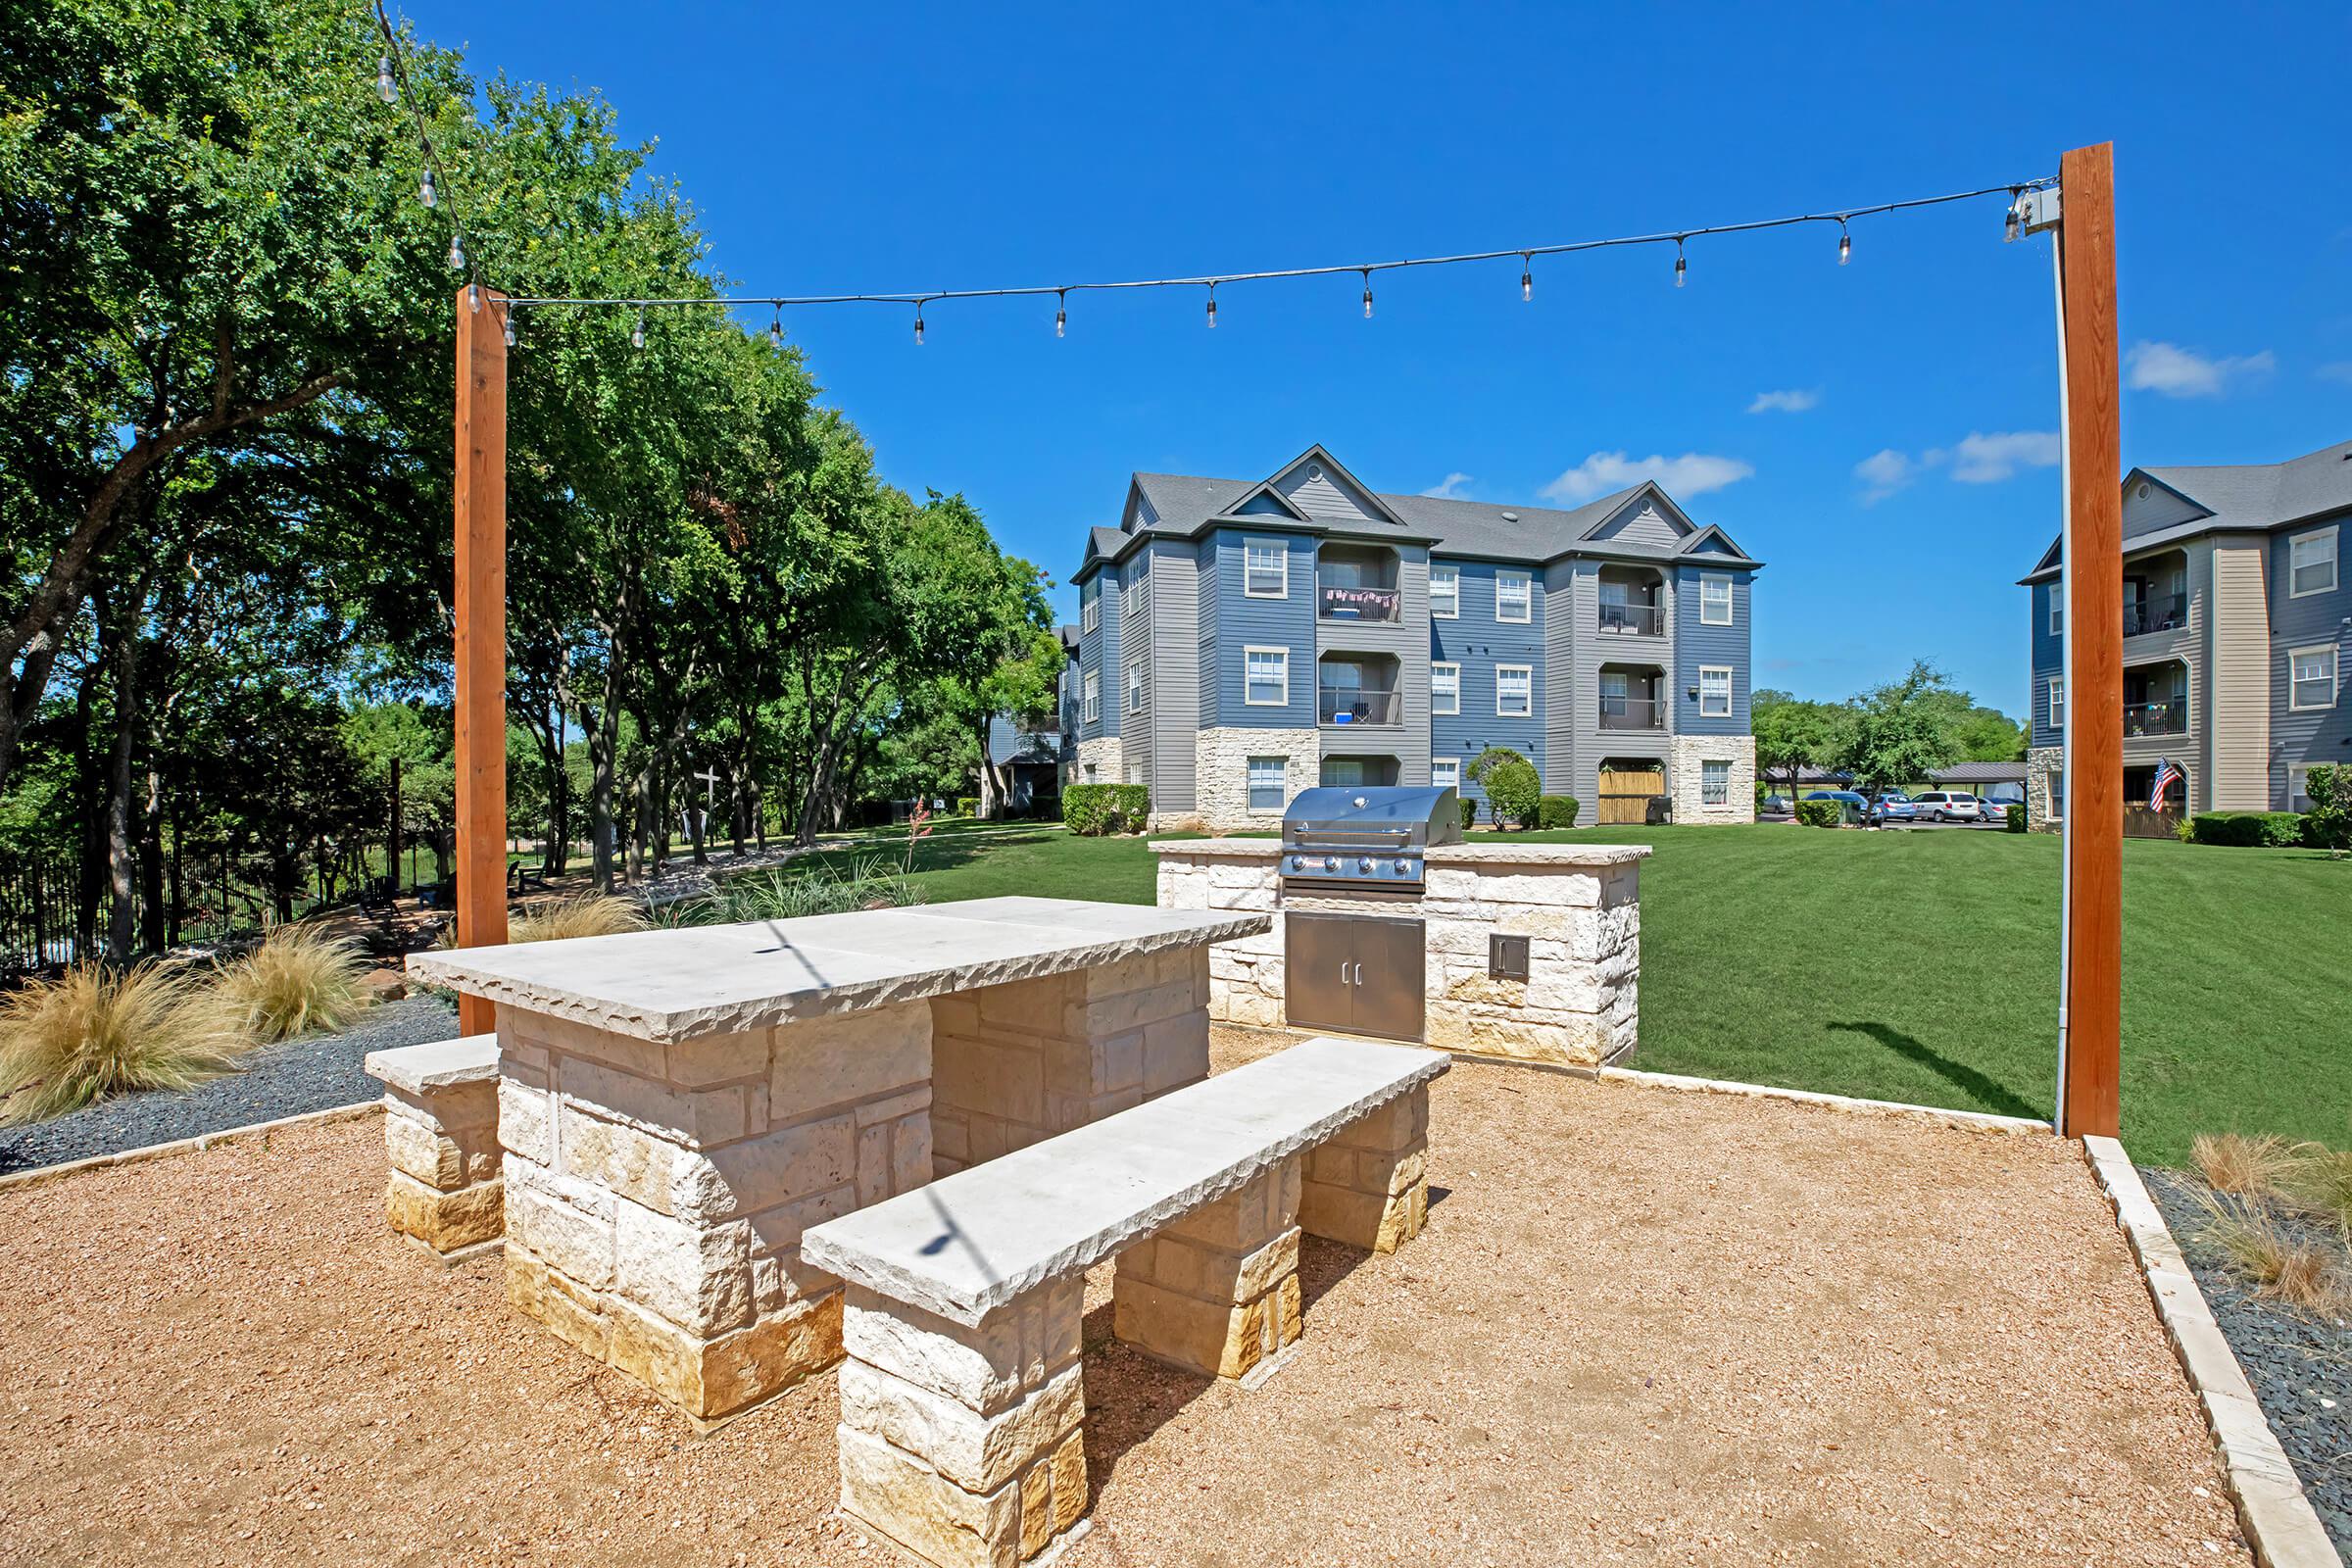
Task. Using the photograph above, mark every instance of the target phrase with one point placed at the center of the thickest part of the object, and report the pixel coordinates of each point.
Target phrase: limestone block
(695, 1117)
(442, 1160)
(909, 1153)
(1069, 1481)
(1403, 1124)
(779, 1275)
(1222, 1339)
(1250, 1219)
(923, 1511)
(541, 1216)
(757, 1174)
(1175, 1051)
(859, 1055)
(568, 1037)
(622, 1159)
(950, 1133)
(1015, 1349)
(1377, 1222)
(526, 1121)
(569, 1311)
(444, 1221)
(698, 1277)
(889, 1107)
(1005, 1080)
(977, 1452)
(712, 1378)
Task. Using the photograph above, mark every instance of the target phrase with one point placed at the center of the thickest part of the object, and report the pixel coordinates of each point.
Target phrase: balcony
(1358, 705)
(1632, 713)
(1356, 582)
(2167, 718)
(1632, 619)
(1346, 602)
(1631, 602)
(2164, 612)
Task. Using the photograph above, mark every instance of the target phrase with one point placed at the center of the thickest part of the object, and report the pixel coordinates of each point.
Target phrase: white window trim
(1282, 553)
(1455, 783)
(1434, 666)
(1501, 711)
(2056, 709)
(1456, 598)
(2336, 570)
(1729, 698)
(1707, 763)
(2293, 770)
(1089, 606)
(2053, 798)
(1282, 785)
(1135, 687)
(1527, 603)
(2334, 677)
(1092, 706)
(1705, 578)
(1247, 701)
(2057, 612)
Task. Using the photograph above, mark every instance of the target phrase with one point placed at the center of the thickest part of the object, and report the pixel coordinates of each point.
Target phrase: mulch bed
(2299, 1363)
(310, 1073)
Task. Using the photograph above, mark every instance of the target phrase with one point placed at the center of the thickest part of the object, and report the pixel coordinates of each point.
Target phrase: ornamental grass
(301, 978)
(2276, 1263)
(587, 914)
(2249, 1167)
(99, 1032)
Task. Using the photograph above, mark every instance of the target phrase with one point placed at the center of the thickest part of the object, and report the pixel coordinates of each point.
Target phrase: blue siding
(2049, 659)
(1244, 623)
(2311, 735)
(1098, 656)
(1478, 641)
(1695, 644)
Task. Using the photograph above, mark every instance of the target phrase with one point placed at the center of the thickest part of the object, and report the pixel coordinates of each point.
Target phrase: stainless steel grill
(1340, 839)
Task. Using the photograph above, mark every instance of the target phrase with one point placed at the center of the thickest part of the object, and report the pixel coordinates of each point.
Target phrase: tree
(2328, 823)
(1792, 735)
(1899, 733)
(1024, 688)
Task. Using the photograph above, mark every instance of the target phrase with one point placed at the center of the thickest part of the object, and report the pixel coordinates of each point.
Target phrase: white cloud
(2177, 372)
(1885, 472)
(1982, 459)
(1453, 486)
(1694, 473)
(2335, 370)
(1789, 400)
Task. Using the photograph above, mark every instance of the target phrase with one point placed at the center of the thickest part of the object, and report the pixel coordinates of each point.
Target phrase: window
(2053, 795)
(2057, 611)
(1134, 772)
(1090, 606)
(1444, 592)
(1135, 688)
(1445, 772)
(1266, 568)
(1513, 597)
(2310, 678)
(2311, 564)
(1514, 687)
(1714, 782)
(1714, 599)
(1268, 782)
(1090, 773)
(1266, 679)
(2298, 788)
(1094, 696)
(1714, 691)
(2057, 702)
(1445, 688)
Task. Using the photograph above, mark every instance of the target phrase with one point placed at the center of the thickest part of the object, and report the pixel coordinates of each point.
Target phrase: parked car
(1948, 806)
(1857, 807)
(1893, 806)
(1776, 805)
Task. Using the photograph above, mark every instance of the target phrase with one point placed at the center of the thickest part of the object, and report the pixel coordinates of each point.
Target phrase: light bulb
(918, 326)
(385, 87)
(424, 187)
(1527, 279)
(456, 255)
(1846, 246)
(1212, 309)
(2009, 229)
(637, 332)
(509, 333)
(1682, 266)
(1062, 315)
(775, 330)
(1367, 295)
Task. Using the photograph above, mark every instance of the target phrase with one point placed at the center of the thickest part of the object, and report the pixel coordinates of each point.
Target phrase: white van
(1948, 806)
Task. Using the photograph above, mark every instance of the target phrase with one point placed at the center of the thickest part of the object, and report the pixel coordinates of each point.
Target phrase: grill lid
(1376, 815)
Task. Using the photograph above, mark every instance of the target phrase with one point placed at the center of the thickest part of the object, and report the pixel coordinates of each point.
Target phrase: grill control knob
(1404, 868)
(1298, 861)
(1364, 865)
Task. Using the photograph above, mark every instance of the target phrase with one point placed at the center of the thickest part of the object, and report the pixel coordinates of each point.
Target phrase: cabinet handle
(1359, 974)
(1342, 973)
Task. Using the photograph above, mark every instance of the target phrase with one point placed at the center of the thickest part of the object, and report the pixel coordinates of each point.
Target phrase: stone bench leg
(1218, 1291)
(445, 1189)
(964, 1446)
(1369, 1187)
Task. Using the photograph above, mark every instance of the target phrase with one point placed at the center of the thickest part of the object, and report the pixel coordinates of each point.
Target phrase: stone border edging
(2278, 1520)
(187, 1146)
(1972, 1120)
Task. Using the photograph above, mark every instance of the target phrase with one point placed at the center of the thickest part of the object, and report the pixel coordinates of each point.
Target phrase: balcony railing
(1356, 705)
(2166, 614)
(1346, 602)
(1632, 713)
(1632, 620)
(2157, 718)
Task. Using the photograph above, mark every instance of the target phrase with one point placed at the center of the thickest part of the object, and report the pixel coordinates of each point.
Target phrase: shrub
(2327, 826)
(2185, 831)
(872, 882)
(587, 914)
(2320, 1182)
(1097, 809)
(1512, 790)
(2241, 829)
(1820, 813)
(1486, 762)
(967, 805)
(2281, 829)
(302, 977)
(2232, 1162)
(99, 1032)
(1556, 811)
(2297, 1272)
(1469, 811)
(2015, 816)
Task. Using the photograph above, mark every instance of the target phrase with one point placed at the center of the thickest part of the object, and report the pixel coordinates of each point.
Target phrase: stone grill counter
(1577, 903)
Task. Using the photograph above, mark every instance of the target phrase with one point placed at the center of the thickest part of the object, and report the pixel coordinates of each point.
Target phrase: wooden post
(481, 618)
(2090, 1095)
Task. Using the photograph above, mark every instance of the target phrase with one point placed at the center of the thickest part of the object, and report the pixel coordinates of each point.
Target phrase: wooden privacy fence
(1626, 793)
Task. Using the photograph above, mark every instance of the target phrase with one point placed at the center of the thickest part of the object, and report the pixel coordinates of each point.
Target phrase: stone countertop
(693, 981)
(1499, 853)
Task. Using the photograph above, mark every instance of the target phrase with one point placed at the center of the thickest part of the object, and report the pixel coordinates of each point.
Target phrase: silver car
(1948, 806)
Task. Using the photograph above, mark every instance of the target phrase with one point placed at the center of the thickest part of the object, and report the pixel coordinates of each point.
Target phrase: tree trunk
(157, 924)
(120, 639)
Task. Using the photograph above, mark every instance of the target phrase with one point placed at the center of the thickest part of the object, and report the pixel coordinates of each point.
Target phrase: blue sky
(1899, 484)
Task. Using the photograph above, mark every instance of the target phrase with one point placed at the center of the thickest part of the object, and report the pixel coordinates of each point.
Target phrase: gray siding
(1098, 656)
(2311, 735)
(1175, 685)
(1138, 587)
(1407, 640)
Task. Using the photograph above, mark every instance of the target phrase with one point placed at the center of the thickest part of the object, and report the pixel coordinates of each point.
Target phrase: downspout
(2066, 677)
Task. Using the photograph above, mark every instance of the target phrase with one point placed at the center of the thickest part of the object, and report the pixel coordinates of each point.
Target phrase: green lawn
(1920, 967)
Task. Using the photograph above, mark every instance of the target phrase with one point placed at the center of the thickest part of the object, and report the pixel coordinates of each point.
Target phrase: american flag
(2167, 776)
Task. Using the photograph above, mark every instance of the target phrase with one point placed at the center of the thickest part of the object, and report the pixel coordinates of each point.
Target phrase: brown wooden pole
(481, 618)
(2091, 1095)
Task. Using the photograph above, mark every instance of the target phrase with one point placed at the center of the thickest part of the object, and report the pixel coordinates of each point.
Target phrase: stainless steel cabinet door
(1391, 965)
(1318, 966)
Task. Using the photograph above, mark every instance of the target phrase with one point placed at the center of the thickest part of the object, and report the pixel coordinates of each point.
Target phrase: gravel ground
(2300, 1364)
(1643, 1327)
(309, 1074)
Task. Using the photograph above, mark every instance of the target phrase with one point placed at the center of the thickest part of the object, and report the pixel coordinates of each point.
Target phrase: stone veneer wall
(1107, 755)
(1685, 785)
(2040, 762)
(1221, 773)
(1577, 1007)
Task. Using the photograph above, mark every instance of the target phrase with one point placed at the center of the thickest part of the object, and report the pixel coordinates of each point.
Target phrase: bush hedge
(1469, 811)
(1093, 809)
(1820, 813)
(1512, 790)
(2015, 817)
(1556, 811)
(2248, 829)
(967, 805)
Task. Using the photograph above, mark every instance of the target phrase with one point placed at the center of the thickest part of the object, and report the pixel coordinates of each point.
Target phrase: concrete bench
(961, 1406)
(441, 1136)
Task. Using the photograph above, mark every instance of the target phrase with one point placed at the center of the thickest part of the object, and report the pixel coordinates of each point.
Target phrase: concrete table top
(694, 981)
(970, 1242)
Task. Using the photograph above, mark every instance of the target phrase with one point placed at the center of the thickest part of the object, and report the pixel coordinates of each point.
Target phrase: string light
(509, 324)
(1062, 313)
(775, 330)
(1845, 244)
(1526, 279)
(424, 187)
(637, 332)
(1681, 265)
(1368, 272)
(2009, 230)
(1212, 307)
(918, 324)
(385, 87)
(456, 252)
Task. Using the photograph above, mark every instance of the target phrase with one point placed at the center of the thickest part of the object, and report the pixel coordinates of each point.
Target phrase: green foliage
(866, 882)
(1096, 809)
(2327, 826)
(1792, 735)
(1469, 807)
(1512, 789)
(2248, 829)
(1556, 811)
(967, 805)
(2015, 816)
(1899, 732)
(1486, 762)
(1820, 813)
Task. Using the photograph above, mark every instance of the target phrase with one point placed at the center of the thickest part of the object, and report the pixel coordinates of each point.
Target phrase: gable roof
(1183, 506)
(2229, 498)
